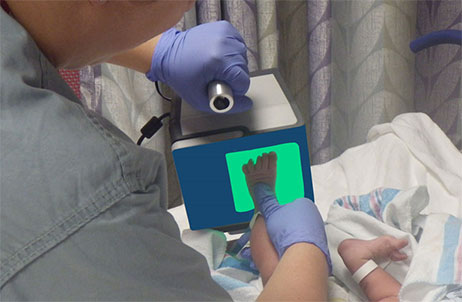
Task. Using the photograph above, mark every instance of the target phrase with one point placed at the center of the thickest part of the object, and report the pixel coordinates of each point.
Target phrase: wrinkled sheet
(410, 152)
(433, 269)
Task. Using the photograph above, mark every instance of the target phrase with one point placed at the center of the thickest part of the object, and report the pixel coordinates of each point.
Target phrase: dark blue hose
(449, 36)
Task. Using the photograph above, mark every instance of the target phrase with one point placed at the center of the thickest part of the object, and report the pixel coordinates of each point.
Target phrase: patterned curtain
(372, 67)
(376, 77)
(347, 64)
(438, 70)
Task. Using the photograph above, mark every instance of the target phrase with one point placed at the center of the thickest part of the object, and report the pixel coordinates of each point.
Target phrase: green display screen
(289, 179)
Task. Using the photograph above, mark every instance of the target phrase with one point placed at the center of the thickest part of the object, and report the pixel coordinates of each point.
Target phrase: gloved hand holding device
(188, 61)
(298, 221)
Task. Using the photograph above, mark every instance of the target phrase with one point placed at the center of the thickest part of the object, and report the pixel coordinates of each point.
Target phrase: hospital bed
(405, 181)
(409, 164)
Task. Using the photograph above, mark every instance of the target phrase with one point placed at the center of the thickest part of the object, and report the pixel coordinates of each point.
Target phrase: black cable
(155, 123)
(164, 115)
(151, 127)
(140, 140)
(161, 94)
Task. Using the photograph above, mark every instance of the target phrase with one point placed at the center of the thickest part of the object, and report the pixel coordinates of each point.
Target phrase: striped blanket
(433, 270)
(415, 167)
(234, 271)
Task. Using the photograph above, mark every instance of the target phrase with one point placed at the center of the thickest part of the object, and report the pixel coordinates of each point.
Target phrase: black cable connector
(154, 123)
(151, 127)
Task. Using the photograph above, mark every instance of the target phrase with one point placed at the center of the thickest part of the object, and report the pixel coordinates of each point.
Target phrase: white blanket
(410, 154)
(433, 268)
(413, 155)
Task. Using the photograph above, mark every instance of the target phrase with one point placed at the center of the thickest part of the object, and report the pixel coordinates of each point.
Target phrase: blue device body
(205, 183)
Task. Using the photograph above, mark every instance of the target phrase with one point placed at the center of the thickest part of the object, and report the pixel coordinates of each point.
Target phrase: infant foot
(264, 171)
(379, 249)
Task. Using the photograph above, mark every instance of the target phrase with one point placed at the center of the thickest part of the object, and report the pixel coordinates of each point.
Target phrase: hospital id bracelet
(364, 270)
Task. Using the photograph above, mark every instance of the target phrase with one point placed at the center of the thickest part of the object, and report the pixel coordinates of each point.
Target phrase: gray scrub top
(83, 213)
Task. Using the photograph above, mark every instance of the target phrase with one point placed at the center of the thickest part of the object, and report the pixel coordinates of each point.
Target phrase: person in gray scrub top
(83, 208)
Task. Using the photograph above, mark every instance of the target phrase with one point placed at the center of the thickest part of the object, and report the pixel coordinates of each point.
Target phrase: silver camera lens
(220, 97)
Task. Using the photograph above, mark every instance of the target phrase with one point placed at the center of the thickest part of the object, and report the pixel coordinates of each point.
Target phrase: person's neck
(50, 25)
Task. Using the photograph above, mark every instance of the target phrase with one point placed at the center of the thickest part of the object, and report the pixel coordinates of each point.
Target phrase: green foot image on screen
(289, 178)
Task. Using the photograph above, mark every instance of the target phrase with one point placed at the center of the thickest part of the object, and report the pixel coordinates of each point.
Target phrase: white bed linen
(410, 151)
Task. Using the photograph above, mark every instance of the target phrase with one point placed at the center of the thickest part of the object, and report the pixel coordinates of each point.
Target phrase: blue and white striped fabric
(450, 268)
(372, 204)
(433, 270)
(230, 268)
(436, 269)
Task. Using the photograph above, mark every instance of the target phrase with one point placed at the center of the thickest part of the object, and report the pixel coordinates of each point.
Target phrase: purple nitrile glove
(298, 221)
(188, 61)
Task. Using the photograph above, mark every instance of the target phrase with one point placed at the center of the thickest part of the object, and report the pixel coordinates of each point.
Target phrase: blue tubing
(449, 36)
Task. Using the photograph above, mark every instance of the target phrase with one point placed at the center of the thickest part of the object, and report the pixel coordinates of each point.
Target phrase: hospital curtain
(438, 70)
(374, 75)
(347, 65)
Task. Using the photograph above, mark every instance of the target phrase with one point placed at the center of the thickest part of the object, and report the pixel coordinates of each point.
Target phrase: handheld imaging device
(209, 151)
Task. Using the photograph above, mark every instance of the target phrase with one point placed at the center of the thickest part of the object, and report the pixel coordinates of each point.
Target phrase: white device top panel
(271, 109)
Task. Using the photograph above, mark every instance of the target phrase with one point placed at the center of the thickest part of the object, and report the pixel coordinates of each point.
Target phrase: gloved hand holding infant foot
(295, 222)
(189, 60)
